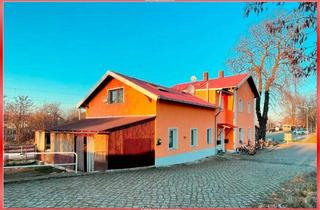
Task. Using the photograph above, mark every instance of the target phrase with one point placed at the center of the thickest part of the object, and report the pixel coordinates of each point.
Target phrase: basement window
(115, 96)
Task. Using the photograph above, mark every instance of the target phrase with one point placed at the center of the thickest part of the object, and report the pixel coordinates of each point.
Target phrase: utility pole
(307, 117)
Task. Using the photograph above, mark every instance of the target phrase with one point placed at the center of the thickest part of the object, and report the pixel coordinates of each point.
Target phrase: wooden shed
(103, 143)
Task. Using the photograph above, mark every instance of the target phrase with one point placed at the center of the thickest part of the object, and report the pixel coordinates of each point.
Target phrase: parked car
(299, 131)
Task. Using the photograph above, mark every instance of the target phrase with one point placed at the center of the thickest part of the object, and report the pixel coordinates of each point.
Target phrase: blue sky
(58, 51)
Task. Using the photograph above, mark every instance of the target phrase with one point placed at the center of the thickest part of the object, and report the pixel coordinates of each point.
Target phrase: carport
(106, 143)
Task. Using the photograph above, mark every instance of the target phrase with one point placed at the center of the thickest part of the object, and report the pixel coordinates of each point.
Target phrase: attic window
(115, 96)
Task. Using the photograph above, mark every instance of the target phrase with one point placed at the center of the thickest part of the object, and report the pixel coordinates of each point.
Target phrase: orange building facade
(129, 120)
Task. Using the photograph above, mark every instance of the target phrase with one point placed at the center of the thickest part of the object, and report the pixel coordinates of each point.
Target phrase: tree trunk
(262, 118)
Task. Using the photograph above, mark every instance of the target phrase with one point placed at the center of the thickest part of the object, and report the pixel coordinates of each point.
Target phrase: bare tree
(18, 115)
(71, 115)
(291, 111)
(311, 103)
(302, 21)
(273, 59)
(47, 116)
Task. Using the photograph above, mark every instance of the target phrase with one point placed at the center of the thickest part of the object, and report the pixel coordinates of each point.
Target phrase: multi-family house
(130, 122)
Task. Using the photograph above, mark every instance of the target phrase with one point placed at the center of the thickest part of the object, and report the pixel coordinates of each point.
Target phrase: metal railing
(75, 164)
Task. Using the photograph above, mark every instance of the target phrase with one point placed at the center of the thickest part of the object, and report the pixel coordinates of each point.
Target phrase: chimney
(221, 74)
(205, 76)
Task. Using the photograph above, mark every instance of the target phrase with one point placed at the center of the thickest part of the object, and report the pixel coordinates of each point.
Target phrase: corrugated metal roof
(99, 125)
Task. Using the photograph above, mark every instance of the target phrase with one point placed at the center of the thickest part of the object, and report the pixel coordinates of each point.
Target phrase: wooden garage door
(132, 146)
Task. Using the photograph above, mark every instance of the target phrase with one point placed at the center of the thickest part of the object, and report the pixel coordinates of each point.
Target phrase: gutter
(215, 118)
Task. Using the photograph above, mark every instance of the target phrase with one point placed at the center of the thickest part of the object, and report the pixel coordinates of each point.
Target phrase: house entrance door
(220, 140)
(89, 154)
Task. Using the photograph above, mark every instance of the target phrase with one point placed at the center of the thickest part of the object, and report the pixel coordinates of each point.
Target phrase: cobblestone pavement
(213, 182)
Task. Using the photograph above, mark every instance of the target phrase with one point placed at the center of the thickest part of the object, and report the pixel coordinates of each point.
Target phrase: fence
(19, 149)
(33, 155)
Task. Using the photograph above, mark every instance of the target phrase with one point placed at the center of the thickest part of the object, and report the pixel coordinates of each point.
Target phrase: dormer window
(115, 96)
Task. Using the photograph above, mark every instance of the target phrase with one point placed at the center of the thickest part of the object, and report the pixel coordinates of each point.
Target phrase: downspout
(235, 120)
(215, 118)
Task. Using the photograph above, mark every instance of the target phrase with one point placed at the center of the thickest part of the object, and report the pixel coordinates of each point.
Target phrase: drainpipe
(235, 120)
(215, 118)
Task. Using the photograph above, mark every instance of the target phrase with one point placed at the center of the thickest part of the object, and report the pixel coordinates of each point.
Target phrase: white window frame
(209, 138)
(240, 105)
(175, 141)
(196, 139)
(108, 95)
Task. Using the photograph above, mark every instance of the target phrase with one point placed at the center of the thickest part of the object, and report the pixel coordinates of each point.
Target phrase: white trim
(108, 90)
(114, 116)
(121, 79)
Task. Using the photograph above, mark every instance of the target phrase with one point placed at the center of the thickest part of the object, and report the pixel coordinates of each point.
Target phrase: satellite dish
(193, 78)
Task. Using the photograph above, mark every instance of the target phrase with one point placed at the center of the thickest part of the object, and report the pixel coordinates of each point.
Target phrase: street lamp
(307, 119)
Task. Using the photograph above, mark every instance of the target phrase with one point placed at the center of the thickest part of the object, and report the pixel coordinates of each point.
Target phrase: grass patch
(47, 170)
(299, 192)
(312, 138)
(20, 173)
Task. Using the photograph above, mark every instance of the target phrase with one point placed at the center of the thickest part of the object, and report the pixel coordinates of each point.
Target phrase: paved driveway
(214, 182)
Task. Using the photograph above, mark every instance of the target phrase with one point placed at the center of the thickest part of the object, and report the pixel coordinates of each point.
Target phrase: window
(240, 105)
(241, 135)
(209, 136)
(220, 136)
(194, 137)
(115, 96)
(222, 102)
(249, 107)
(48, 142)
(173, 138)
(249, 135)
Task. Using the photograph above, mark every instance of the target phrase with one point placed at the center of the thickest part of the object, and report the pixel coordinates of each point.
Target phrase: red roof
(169, 94)
(224, 82)
(99, 125)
